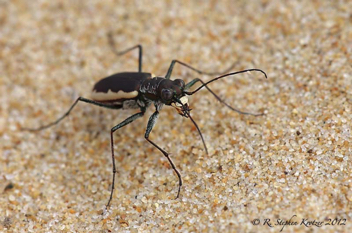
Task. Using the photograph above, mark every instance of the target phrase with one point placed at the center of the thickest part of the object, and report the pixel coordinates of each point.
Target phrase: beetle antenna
(223, 76)
(200, 133)
(205, 84)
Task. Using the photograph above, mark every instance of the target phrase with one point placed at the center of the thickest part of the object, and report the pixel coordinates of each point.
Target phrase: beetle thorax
(150, 86)
(164, 90)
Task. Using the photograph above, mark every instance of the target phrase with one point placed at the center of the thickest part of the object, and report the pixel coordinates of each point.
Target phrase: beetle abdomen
(119, 87)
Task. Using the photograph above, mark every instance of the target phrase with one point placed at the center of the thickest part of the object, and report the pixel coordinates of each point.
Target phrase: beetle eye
(180, 83)
(166, 94)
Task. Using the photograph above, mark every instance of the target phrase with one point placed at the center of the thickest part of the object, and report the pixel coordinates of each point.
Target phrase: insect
(139, 90)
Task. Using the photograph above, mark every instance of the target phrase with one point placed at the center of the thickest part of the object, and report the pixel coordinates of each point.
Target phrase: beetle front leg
(151, 123)
(173, 62)
(122, 124)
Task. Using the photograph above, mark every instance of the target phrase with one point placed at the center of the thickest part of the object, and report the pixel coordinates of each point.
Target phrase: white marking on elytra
(110, 95)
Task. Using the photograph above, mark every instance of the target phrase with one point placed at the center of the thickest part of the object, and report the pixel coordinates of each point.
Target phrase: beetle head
(172, 93)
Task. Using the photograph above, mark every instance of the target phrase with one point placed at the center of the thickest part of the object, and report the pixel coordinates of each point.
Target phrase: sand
(290, 166)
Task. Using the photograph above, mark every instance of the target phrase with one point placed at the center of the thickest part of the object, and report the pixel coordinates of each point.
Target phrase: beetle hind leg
(79, 99)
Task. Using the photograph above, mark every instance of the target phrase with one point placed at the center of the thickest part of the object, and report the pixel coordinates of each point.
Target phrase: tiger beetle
(139, 90)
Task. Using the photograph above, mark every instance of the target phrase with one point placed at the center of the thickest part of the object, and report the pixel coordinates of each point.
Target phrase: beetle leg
(119, 53)
(68, 112)
(194, 81)
(191, 83)
(173, 62)
(151, 123)
(113, 129)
